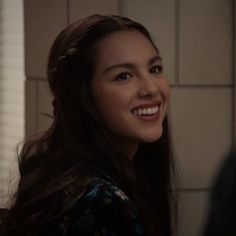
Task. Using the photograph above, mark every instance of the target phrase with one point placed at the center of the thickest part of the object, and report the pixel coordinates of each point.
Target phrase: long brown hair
(56, 166)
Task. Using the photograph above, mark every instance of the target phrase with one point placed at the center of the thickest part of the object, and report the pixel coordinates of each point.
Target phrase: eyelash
(126, 75)
(159, 67)
(120, 77)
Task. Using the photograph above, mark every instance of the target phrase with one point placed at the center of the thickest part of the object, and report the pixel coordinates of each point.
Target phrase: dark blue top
(103, 210)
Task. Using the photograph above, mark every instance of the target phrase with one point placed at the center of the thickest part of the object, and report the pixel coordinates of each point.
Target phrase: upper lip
(147, 105)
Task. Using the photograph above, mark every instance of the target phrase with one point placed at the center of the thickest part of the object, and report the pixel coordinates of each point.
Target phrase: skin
(128, 75)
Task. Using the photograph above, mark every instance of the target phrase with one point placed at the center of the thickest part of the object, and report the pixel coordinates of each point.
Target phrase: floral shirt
(103, 210)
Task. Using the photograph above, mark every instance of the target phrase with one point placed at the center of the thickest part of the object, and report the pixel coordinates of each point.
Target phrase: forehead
(127, 45)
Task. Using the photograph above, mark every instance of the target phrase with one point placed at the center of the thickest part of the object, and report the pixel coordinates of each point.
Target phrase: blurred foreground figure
(222, 213)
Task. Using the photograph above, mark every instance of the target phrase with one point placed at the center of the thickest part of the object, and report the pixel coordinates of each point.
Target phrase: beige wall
(196, 42)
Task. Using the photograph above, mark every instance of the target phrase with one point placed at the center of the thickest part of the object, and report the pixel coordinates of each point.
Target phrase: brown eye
(157, 69)
(123, 76)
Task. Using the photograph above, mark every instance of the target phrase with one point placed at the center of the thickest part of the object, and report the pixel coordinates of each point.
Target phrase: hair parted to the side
(56, 166)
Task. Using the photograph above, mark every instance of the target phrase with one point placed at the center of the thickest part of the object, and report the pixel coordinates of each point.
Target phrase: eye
(123, 76)
(157, 69)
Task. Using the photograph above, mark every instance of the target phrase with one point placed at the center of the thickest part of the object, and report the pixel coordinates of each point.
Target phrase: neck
(129, 149)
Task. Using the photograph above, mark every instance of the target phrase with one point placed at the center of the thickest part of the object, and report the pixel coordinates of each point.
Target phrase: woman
(104, 166)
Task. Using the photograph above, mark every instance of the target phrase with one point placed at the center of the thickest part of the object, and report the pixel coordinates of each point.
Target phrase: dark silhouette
(221, 219)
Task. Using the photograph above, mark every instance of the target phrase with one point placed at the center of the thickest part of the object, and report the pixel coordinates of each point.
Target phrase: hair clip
(61, 58)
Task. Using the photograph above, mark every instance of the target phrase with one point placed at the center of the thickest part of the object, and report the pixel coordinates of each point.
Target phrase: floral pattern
(103, 210)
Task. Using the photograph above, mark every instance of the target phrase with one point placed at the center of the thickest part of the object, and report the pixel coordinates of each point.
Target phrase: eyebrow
(131, 65)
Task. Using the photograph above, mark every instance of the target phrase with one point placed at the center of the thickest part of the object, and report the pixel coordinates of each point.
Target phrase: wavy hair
(56, 166)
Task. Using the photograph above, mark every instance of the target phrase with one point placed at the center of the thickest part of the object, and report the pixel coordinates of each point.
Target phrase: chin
(152, 138)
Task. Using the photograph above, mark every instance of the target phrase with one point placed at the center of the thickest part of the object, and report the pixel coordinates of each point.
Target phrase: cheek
(165, 89)
(108, 102)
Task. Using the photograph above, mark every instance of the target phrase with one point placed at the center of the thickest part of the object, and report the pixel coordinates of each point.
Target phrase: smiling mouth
(148, 111)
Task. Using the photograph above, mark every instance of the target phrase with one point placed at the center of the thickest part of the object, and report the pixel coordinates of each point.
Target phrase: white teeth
(146, 111)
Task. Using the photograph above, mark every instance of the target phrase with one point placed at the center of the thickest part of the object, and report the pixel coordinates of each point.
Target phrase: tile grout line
(177, 27)
(188, 190)
(120, 7)
(203, 86)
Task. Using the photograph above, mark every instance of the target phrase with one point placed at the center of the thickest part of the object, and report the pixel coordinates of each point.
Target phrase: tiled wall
(196, 42)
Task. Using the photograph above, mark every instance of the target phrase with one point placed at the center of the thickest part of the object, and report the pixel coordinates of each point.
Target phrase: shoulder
(221, 215)
(226, 178)
(104, 191)
(104, 209)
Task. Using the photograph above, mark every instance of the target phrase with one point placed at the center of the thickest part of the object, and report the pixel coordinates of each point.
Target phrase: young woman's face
(129, 89)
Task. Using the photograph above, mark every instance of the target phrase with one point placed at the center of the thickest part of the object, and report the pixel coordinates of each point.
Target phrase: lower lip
(153, 117)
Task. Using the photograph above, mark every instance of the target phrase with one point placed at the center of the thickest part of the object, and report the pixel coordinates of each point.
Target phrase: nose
(148, 87)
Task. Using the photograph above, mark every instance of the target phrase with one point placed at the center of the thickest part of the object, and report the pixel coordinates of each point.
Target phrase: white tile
(43, 21)
(45, 110)
(205, 37)
(192, 213)
(82, 8)
(31, 107)
(202, 129)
